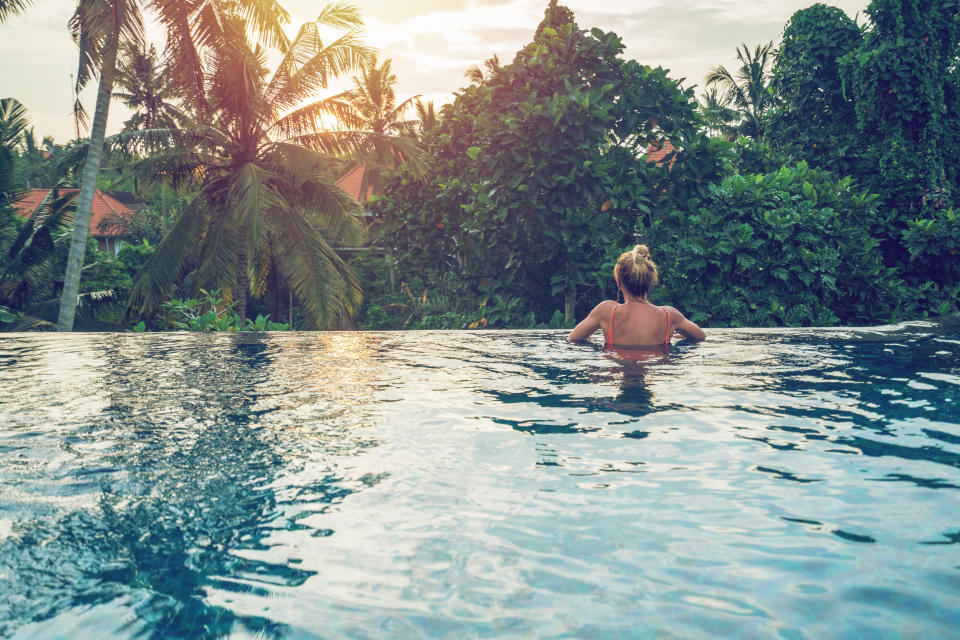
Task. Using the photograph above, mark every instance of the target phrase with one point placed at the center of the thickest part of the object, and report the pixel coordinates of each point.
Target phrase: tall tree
(13, 124)
(558, 134)
(265, 205)
(100, 28)
(426, 120)
(748, 88)
(905, 86)
(148, 89)
(371, 105)
(902, 80)
(815, 118)
(718, 116)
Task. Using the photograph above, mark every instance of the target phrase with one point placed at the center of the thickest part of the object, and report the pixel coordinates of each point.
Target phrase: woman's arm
(686, 328)
(591, 323)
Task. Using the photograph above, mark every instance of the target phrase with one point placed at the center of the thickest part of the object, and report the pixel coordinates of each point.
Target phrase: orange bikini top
(609, 342)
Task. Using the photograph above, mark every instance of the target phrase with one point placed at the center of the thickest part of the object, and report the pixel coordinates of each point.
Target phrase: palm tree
(29, 257)
(747, 90)
(101, 28)
(148, 89)
(13, 124)
(426, 120)
(371, 106)
(10, 8)
(491, 66)
(717, 114)
(265, 205)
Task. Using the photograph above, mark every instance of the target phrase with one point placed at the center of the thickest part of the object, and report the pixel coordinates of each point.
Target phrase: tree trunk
(88, 184)
(274, 294)
(242, 281)
(569, 305)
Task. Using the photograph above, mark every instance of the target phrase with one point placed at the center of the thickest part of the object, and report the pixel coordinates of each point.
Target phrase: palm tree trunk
(242, 280)
(88, 184)
(569, 306)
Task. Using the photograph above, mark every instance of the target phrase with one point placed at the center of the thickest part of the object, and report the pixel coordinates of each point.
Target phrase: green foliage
(785, 248)
(537, 170)
(745, 93)
(933, 244)
(103, 273)
(752, 156)
(900, 79)
(211, 313)
(134, 256)
(31, 253)
(263, 323)
(266, 210)
(814, 119)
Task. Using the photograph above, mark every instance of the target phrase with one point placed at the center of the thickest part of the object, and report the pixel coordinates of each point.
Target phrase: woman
(635, 324)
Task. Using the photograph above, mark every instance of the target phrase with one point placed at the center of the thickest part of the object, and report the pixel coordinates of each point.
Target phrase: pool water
(762, 484)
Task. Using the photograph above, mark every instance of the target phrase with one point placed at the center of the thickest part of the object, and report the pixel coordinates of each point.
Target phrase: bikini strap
(610, 332)
(666, 340)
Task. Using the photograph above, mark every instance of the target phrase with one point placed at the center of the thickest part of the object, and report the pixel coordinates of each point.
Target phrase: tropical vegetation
(814, 183)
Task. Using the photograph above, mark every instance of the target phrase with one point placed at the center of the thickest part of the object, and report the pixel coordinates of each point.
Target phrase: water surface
(801, 484)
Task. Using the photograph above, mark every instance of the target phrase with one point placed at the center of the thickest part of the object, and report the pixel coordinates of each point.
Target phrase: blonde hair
(636, 272)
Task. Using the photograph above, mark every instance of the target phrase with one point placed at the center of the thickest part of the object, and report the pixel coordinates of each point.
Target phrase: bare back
(637, 324)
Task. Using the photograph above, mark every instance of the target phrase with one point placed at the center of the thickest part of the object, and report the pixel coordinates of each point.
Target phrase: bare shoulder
(675, 315)
(685, 327)
(604, 307)
(592, 322)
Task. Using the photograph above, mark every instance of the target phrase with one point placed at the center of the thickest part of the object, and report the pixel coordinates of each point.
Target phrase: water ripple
(486, 484)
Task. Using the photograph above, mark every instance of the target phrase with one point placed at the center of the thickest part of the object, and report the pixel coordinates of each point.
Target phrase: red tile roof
(104, 215)
(658, 153)
(353, 181)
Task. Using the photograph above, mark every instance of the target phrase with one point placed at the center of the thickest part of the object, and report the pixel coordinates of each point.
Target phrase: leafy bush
(785, 248)
(134, 256)
(211, 313)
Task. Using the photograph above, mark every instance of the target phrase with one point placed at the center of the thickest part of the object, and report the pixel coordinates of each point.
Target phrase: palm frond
(346, 53)
(252, 198)
(217, 255)
(309, 119)
(322, 282)
(10, 8)
(340, 15)
(265, 18)
(13, 121)
(185, 40)
(155, 281)
(367, 146)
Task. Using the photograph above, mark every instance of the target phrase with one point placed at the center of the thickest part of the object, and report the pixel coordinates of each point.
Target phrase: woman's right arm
(687, 329)
(591, 323)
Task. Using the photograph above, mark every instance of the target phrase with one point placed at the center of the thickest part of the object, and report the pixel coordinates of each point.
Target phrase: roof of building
(658, 153)
(127, 198)
(352, 182)
(106, 217)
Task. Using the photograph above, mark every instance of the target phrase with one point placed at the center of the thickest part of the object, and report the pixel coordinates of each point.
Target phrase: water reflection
(189, 474)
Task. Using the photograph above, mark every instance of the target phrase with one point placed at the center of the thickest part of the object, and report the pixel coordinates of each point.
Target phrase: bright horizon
(431, 42)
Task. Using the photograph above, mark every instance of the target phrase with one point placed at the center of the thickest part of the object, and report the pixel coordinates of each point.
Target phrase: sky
(431, 42)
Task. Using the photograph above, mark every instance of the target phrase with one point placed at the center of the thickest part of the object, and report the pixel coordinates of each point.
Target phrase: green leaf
(473, 152)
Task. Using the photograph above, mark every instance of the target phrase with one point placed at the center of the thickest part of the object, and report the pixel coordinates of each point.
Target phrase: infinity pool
(762, 484)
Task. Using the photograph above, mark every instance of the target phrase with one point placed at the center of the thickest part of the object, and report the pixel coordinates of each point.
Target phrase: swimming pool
(800, 484)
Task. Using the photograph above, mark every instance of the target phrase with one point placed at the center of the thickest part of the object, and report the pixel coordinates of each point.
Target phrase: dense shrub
(786, 248)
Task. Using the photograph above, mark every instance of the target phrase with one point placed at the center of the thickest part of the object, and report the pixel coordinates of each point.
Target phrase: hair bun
(640, 252)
